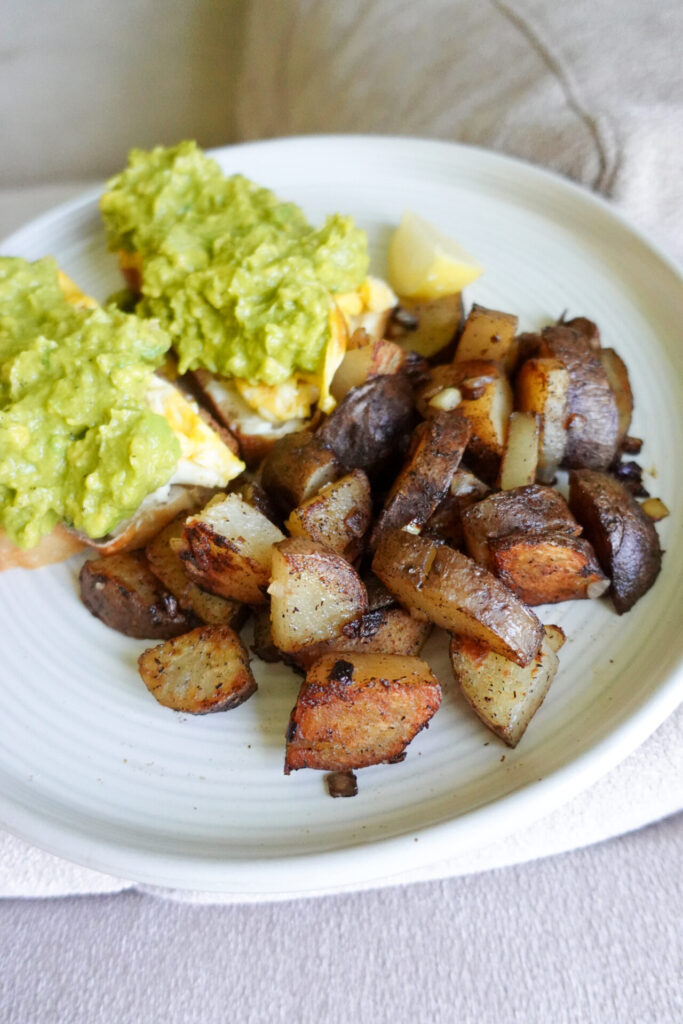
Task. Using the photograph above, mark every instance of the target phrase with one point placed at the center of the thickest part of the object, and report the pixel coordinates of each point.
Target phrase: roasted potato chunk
(455, 593)
(446, 522)
(593, 423)
(426, 477)
(428, 327)
(124, 593)
(354, 710)
(227, 549)
(504, 696)
(314, 593)
(542, 387)
(487, 334)
(296, 468)
(384, 631)
(168, 567)
(338, 516)
(623, 536)
(532, 509)
(544, 568)
(204, 670)
(366, 361)
(617, 374)
(520, 458)
(368, 428)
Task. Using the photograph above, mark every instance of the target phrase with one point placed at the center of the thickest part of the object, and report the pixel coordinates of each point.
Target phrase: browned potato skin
(354, 710)
(202, 671)
(624, 538)
(123, 592)
(544, 568)
(314, 594)
(438, 322)
(369, 427)
(338, 516)
(617, 374)
(384, 631)
(168, 567)
(455, 593)
(426, 477)
(228, 564)
(296, 468)
(446, 522)
(593, 424)
(531, 509)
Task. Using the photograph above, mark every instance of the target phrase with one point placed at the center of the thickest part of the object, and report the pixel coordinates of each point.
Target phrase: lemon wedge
(424, 263)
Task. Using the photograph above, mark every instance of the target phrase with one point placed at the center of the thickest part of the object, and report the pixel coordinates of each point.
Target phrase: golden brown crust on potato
(544, 568)
(426, 477)
(354, 710)
(623, 537)
(455, 593)
(124, 593)
(227, 549)
(531, 509)
(487, 334)
(314, 593)
(593, 424)
(542, 387)
(202, 671)
(338, 516)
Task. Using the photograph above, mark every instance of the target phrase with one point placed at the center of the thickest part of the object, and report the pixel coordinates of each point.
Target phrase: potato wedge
(205, 670)
(503, 695)
(532, 509)
(124, 593)
(384, 631)
(617, 374)
(520, 458)
(544, 568)
(338, 516)
(455, 593)
(542, 387)
(487, 334)
(227, 549)
(366, 361)
(354, 710)
(426, 477)
(296, 468)
(368, 429)
(593, 423)
(428, 327)
(168, 567)
(314, 593)
(624, 538)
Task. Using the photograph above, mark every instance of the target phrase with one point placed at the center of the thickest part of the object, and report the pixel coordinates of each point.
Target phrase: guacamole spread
(241, 280)
(78, 443)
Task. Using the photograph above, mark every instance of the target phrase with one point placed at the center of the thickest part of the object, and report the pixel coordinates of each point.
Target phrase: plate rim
(242, 877)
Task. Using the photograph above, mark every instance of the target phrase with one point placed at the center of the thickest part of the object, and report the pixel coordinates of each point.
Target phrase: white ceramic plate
(93, 769)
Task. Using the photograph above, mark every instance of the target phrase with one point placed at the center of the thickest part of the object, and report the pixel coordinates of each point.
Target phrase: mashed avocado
(78, 442)
(241, 281)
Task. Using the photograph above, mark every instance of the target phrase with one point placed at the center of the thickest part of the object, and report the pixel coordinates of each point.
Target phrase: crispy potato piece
(593, 424)
(542, 387)
(314, 594)
(354, 710)
(623, 536)
(532, 509)
(426, 477)
(124, 593)
(446, 522)
(368, 428)
(455, 593)
(617, 374)
(204, 670)
(544, 568)
(366, 361)
(520, 458)
(428, 327)
(384, 631)
(168, 567)
(255, 435)
(504, 696)
(227, 549)
(338, 516)
(487, 334)
(296, 468)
